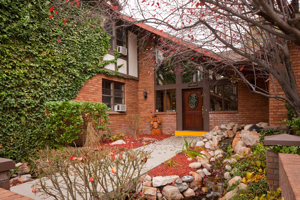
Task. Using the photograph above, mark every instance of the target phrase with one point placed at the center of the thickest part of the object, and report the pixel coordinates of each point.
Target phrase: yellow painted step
(190, 133)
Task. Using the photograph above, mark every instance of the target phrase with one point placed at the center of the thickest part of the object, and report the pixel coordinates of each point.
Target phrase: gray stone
(228, 167)
(189, 193)
(201, 172)
(206, 172)
(195, 188)
(211, 195)
(118, 142)
(163, 180)
(227, 175)
(195, 165)
(182, 187)
(171, 193)
(178, 181)
(187, 178)
(200, 144)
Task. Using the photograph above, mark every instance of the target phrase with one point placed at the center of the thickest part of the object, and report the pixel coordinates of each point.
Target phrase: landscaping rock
(230, 133)
(206, 166)
(151, 192)
(171, 193)
(212, 160)
(227, 175)
(195, 165)
(24, 169)
(220, 133)
(247, 127)
(215, 141)
(244, 151)
(211, 153)
(228, 167)
(233, 180)
(204, 189)
(219, 151)
(205, 140)
(243, 186)
(178, 181)
(217, 128)
(211, 195)
(209, 145)
(201, 172)
(189, 193)
(262, 124)
(238, 146)
(147, 178)
(190, 159)
(214, 133)
(159, 195)
(187, 178)
(18, 164)
(231, 160)
(250, 138)
(236, 139)
(223, 127)
(229, 194)
(147, 183)
(219, 156)
(163, 180)
(182, 186)
(206, 172)
(118, 142)
(200, 144)
(197, 180)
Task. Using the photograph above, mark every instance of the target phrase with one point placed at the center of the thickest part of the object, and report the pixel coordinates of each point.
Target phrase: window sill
(224, 112)
(165, 113)
(116, 113)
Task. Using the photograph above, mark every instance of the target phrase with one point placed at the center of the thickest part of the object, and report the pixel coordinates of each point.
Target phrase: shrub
(67, 119)
(72, 173)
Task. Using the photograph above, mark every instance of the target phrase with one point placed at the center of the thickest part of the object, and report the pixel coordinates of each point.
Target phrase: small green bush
(67, 119)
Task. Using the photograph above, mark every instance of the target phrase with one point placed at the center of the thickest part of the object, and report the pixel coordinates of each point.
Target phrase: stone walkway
(161, 151)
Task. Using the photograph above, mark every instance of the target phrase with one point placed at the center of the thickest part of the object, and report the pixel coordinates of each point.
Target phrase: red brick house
(181, 105)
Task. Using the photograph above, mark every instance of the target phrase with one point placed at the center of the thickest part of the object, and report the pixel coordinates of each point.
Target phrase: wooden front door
(192, 109)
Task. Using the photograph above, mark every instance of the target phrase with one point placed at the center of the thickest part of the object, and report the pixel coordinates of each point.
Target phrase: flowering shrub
(72, 173)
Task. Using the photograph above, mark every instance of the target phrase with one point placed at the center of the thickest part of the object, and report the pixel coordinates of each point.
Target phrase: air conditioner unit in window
(120, 108)
(122, 50)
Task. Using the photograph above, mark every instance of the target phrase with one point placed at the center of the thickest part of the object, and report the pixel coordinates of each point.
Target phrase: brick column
(272, 170)
(5, 166)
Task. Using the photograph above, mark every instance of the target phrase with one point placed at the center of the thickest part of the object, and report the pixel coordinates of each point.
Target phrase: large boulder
(247, 127)
(163, 180)
(230, 126)
(238, 146)
(236, 139)
(250, 138)
(171, 193)
(230, 133)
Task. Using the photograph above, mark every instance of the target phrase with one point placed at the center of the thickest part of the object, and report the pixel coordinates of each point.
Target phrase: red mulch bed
(181, 170)
(131, 143)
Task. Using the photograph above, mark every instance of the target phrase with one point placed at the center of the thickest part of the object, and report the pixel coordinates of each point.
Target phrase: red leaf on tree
(157, 3)
(201, 4)
(161, 31)
(72, 3)
(197, 5)
(77, 4)
(50, 16)
(51, 8)
(131, 17)
(242, 68)
(58, 40)
(65, 21)
(56, 12)
(115, 8)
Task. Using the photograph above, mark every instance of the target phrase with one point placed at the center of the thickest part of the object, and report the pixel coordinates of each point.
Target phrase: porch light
(145, 93)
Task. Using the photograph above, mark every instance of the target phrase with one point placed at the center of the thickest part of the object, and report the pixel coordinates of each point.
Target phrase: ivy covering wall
(42, 60)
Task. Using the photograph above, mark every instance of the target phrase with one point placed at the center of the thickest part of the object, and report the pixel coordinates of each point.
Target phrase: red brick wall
(92, 91)
(168, 122)
(277, 109)
(252, 108)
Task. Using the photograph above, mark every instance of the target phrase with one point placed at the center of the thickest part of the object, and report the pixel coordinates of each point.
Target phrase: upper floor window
(117, 35)
(112, 93)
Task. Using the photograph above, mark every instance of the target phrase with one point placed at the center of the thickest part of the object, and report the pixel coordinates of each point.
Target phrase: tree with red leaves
(251, 40)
